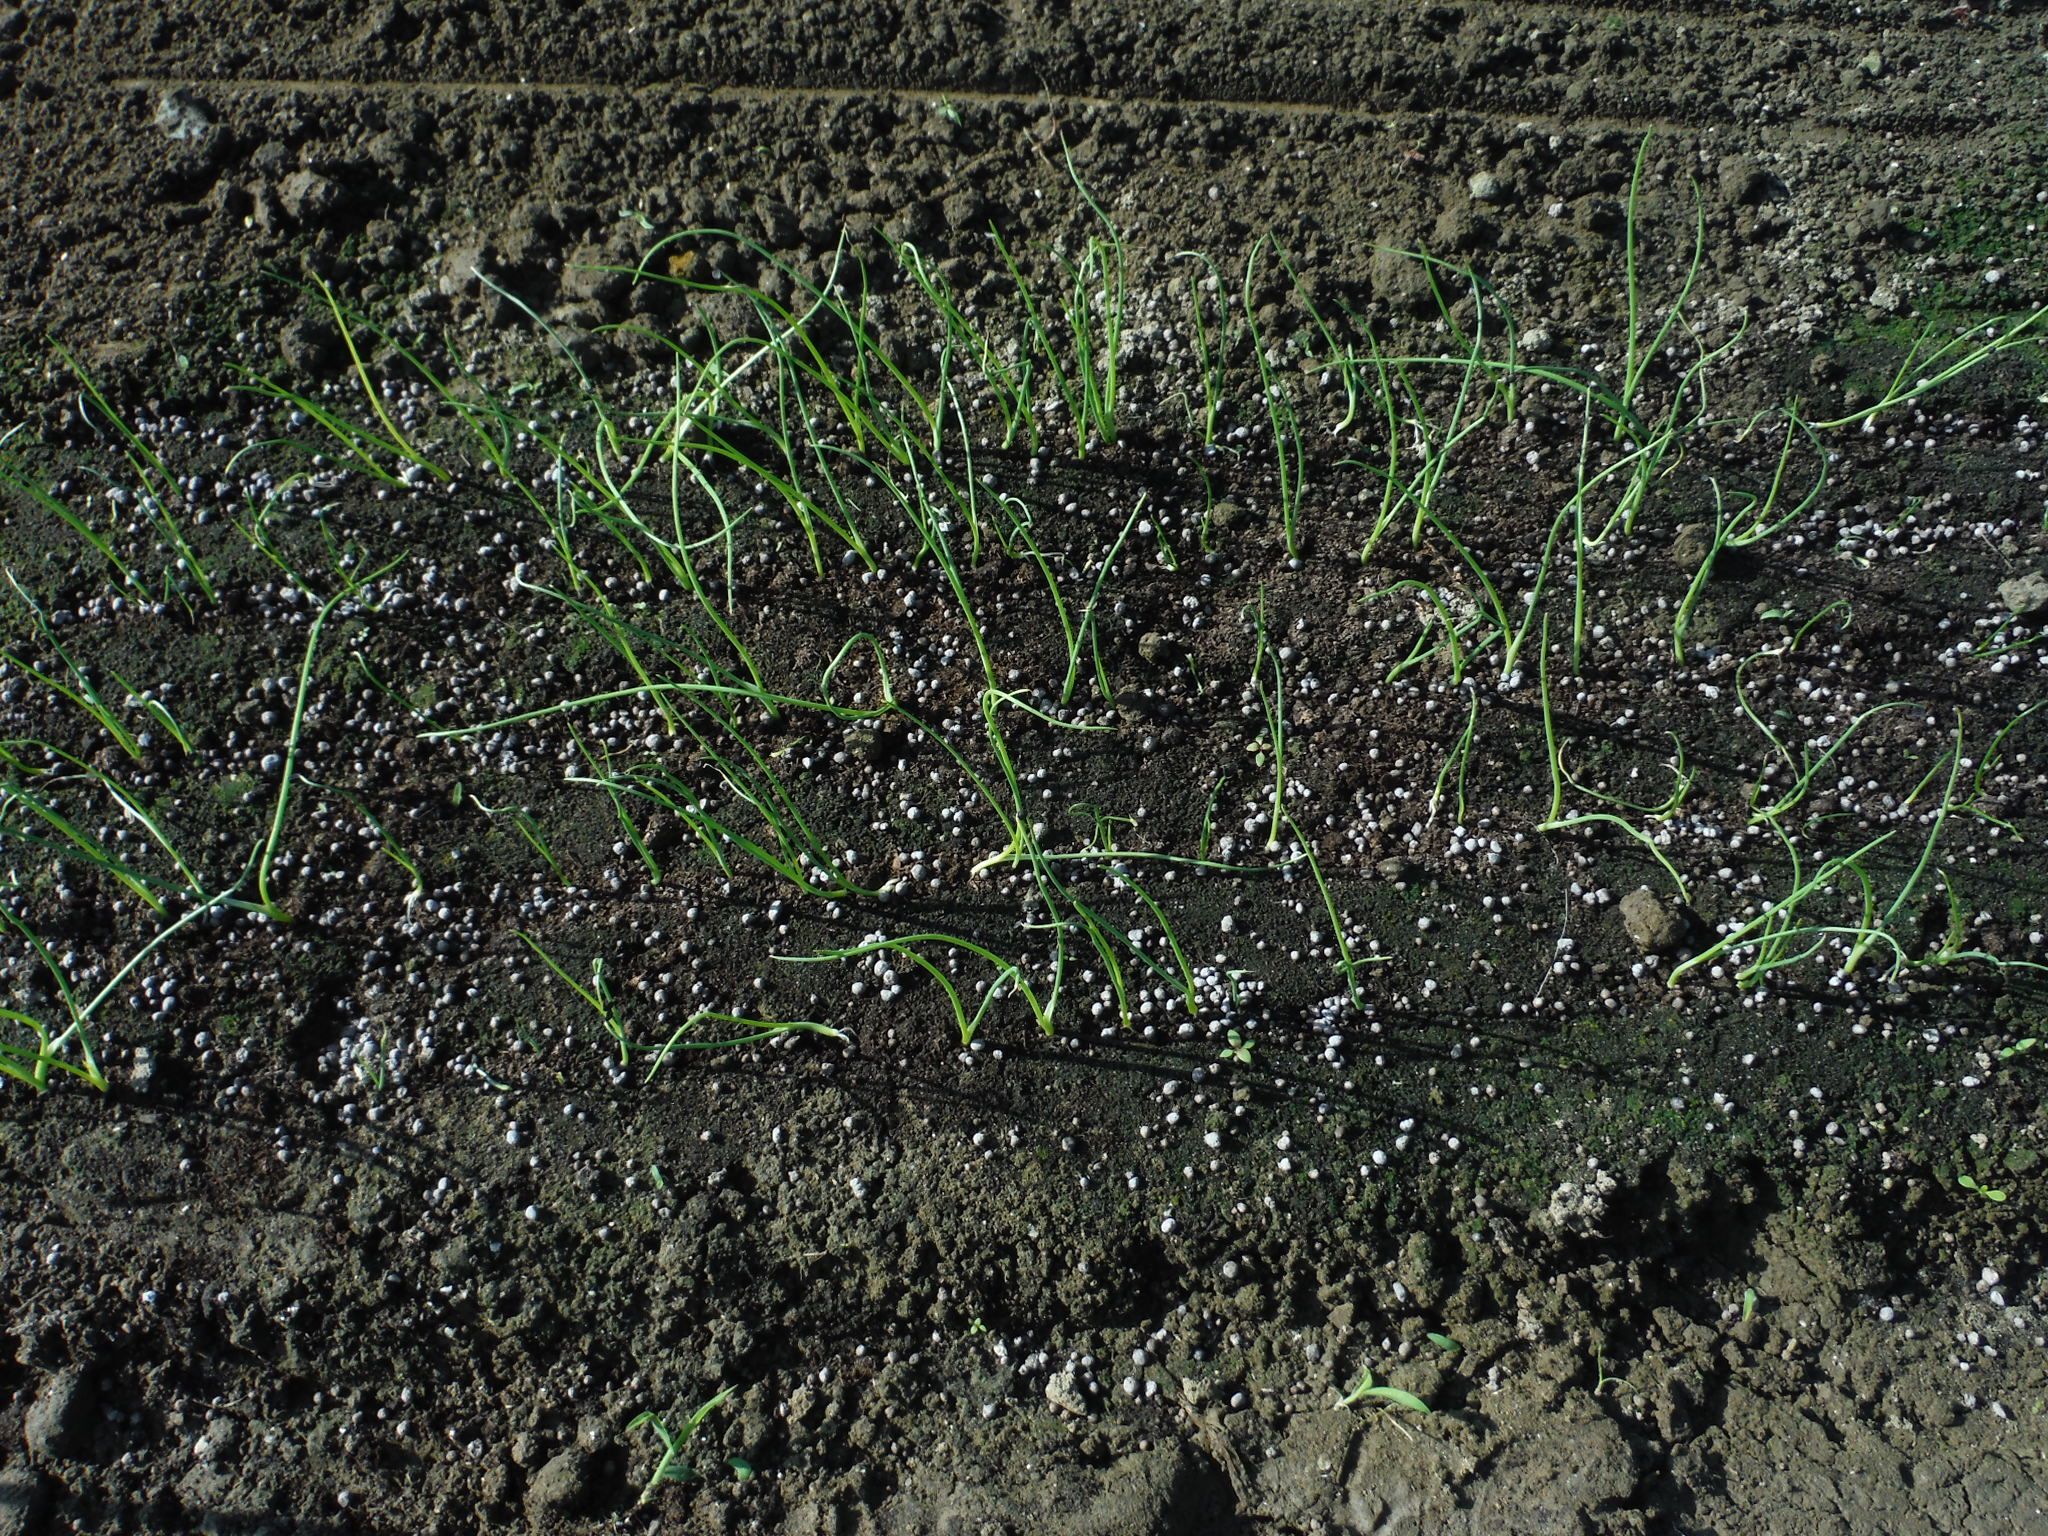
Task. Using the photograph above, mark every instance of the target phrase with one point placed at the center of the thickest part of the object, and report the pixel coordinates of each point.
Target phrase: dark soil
(373, 1230)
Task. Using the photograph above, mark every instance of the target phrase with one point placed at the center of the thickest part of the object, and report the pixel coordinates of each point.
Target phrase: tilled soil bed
(988, 770)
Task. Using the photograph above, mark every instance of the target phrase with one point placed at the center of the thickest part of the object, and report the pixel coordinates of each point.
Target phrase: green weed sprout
(675, 1465)
(1370, 1390)
(1995, 1196)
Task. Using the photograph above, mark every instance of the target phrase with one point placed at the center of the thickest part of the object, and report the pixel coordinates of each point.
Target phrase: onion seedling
(15, 473)
(156, 484)
(1273, 705)
(1346, 964)
(1085, 356)
(1212, 348)
(267, 858)
(1290, 453)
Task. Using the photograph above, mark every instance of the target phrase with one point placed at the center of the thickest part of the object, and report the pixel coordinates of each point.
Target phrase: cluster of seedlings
(885, 640)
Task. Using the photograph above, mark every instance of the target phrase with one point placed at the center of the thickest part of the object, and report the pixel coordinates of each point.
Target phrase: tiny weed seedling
(1238, 1048)
(1394, 1397)
(1601, 1380)
(1995, 1196)
(675, 1465)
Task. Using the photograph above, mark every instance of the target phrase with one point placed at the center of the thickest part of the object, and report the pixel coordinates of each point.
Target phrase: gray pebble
(24, 1492)
(182, 116)
(58, 1425)
(2025, 595)
(560, 1487)
(1064, 1391)
(1652, 926)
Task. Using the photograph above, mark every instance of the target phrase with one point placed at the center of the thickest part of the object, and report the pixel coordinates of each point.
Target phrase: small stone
(966, 211)
(1396, 868)
(1743, 182)
(222, 1438)
(24, 1495)
(1692, 546)
(58, 1425)
(309, 345)
(871, 745)
(391, 22)
(591, 276)
(1461, 229)
(1871, 64)
(308, 197)
(1872, 222)
(1400, 279)
(1225, 515)
(182, 116)
(1486, 187)
(664, 832)
(1652, 926)
(459, 266)
(559, 1488)
(915, 223)
(1580, 1210)
(781, 229)
(2025, 595)
(1064, 1391)
(593, 354)
(1422, 1269)
(1160, 650)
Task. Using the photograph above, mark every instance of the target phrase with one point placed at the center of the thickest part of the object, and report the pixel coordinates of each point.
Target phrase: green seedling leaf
(1995, 1196)
(674, 1465)
(1445, 1342)
(1368, 1388)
